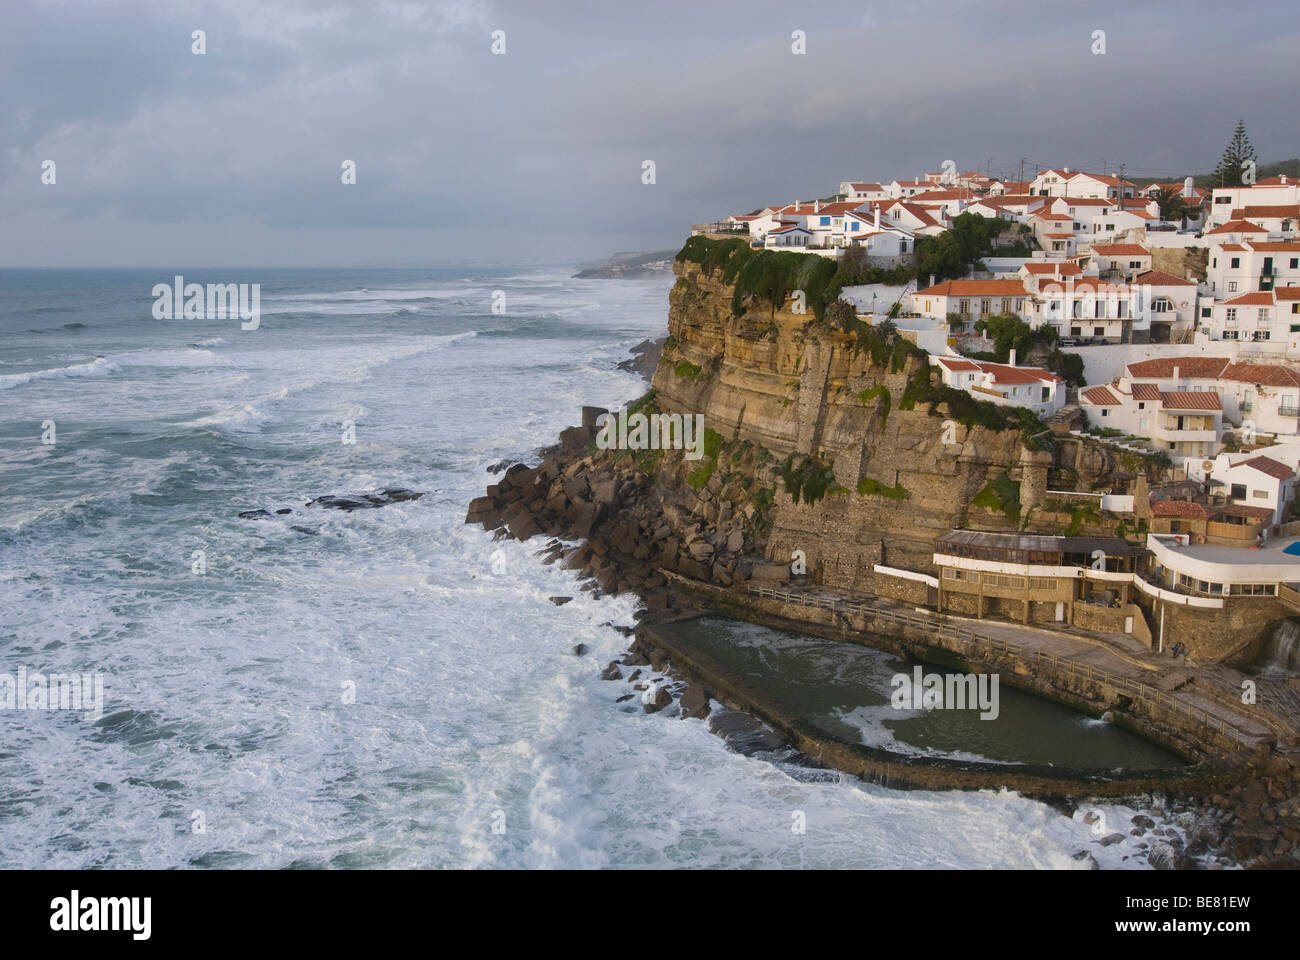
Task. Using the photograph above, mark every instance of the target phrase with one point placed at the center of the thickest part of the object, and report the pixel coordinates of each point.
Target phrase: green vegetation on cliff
(869, 487)
(879, 392)
(1001, 494)
(808, 477)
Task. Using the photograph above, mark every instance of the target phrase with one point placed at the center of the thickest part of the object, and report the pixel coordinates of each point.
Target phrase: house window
(1236, 262)
(986, 306)
(1295, 263)
(1264, 317)
(826, 221)
(1134, 264)
(1259, 494)
(1020, 307)
(963, 306)
(1238, 491)
(1230, 316)
(1105, 412)
(1232, 286)
(1099, 331)
(1230, 335)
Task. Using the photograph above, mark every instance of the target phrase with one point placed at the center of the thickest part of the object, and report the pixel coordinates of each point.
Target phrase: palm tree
(1173, 206)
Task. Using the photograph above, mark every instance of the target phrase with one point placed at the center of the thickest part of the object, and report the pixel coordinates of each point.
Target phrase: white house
(1004, 383)
(1271, 191)
(1235, 268)
(1120, 261)
(1185, 423)
(974, 300)
(1072, 183)
(1172, 303)
(863, 191)
(788, 235)
(1256, 480)
(1275, 218)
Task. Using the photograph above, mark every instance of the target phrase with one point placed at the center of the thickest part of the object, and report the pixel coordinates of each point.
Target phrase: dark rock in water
(612, 672)
(743, 733)
(658, 701)
(283, 510)
(498, 467)
(1110, 838)
(560, 601)
(644, 358)
(366, 501)
(626, 697)
(1162, 856)
(695, 702)
(255, 515)
(310, 531)
(1088, 858)
(579, 649)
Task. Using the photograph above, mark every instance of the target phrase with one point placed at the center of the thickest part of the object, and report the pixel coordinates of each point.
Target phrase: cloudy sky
(233, 158)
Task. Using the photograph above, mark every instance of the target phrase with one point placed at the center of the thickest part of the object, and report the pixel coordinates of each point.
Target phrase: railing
(1151, 695)
(1289, 593)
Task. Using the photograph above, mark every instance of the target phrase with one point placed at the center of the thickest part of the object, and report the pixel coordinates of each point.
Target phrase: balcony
(1288, 408)
(1266, 279)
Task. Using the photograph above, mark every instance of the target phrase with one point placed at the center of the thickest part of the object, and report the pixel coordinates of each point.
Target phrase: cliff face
(795, 385)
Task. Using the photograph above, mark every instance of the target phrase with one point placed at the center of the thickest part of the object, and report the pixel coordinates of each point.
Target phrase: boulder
(694, 702)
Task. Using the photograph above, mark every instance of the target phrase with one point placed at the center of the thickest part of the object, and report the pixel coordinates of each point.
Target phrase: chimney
(1065, 169)
(796, 205)
(932, 279)
(817, 206)
(877, 216)
(1187, 188)
(1011, 360)
(1175, 376)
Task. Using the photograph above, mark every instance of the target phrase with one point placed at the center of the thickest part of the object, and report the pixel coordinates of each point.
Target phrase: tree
(1236, 155)
(1172, 204)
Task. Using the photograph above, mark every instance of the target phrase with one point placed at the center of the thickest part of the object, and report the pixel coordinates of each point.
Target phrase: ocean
(380, 688)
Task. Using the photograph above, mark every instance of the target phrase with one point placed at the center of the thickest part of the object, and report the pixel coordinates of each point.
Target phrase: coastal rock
(366, 501)
(657, 700)
(579, 649)
(560, 601)
(612, 672)
(694, 702)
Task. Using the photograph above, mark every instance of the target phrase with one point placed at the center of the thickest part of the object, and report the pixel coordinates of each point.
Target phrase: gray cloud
(234, 157)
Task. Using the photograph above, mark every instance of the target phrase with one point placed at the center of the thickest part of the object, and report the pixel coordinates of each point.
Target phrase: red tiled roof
(1180, 508)
(1275, 245)
(975, 288)
(1189, 400)
(1257, 299)
(1266, 211)
(1266, 465)
(1238, 226)
(1158, 278)
(1100, 396)
(1146, 391)
(1163, 367)
(1245, 510)
(1120, 250)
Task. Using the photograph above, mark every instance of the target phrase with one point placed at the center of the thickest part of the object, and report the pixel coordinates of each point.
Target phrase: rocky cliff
(821, 437)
